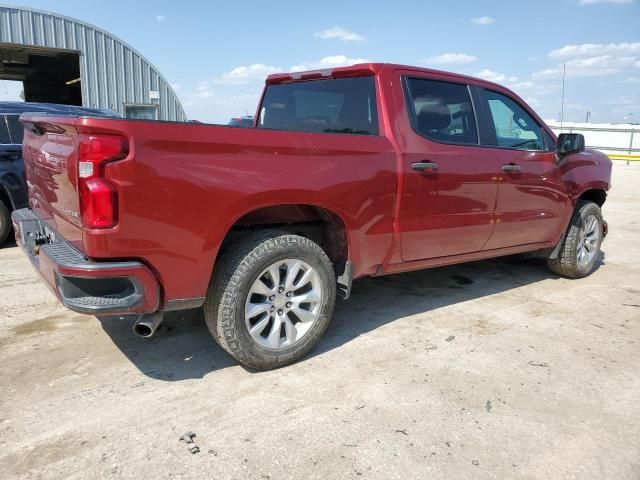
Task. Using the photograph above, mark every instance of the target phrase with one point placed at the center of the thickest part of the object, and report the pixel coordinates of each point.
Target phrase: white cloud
(593, 2)
(625, 105)
(338, 33)
(452, 59)
(160, 18)
(203, 89)
(327, 62)
(210, 102)
(596, 49)
(526, 88)
(593, 59)
(533, 102)
(246, 74)
(521, 86)
(574, 106)
(495, 76)
(591, 67)
(483, 20)
(536, 94)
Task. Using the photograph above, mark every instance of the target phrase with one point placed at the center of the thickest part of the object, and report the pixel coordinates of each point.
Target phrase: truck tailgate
(51, 167)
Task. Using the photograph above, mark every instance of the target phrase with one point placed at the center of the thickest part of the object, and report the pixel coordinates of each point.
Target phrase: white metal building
(64, 60)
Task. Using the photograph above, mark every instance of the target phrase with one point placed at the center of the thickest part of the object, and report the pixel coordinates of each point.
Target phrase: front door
(449, 181)
(532, 197)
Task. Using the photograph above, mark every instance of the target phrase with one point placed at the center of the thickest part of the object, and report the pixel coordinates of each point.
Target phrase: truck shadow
(377, 301)
(182, 348)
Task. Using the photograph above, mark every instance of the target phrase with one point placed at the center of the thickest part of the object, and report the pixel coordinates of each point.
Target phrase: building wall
(113, 74)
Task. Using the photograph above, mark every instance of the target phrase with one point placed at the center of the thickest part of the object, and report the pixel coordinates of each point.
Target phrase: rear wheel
(581, 247)
(271, 299)
(5, 222)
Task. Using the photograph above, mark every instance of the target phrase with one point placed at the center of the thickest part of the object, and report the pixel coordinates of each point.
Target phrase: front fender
(588, 170)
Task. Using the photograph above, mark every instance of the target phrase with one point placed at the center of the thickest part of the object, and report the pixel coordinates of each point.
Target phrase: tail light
(98, 196)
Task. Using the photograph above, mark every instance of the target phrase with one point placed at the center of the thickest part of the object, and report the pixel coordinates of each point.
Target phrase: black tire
(5, 222)
(566, 264)
(233, 276)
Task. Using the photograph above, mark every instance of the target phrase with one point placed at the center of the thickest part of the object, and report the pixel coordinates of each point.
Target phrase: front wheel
(581, 248)
(271, 299)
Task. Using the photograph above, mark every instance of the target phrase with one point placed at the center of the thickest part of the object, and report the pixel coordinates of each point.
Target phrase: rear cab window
(344, 105)
(441, 111)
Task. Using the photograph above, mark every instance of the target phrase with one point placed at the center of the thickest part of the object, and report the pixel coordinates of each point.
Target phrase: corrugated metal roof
(113, 73)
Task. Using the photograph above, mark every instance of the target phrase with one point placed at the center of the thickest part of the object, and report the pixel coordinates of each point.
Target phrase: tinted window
(514, 126)
(441, 111)
(549, 141)
(16, 130)
(141, 112)
(5, 137)
(346, 105)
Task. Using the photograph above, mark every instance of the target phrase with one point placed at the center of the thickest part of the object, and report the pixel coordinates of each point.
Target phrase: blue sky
(216, 54)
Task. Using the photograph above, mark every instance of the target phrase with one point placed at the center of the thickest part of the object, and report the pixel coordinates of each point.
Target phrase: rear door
(531, 194)
(449, 179)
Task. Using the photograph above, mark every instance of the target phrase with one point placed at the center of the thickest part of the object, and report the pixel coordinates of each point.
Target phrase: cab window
(549, 140)
(514, 127)
(441, 111)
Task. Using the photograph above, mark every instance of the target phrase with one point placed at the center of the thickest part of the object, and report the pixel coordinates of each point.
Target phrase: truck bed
(182, 185)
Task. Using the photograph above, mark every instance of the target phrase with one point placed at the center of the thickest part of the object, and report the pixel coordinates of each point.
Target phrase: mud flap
(345, 280)
(556, 251)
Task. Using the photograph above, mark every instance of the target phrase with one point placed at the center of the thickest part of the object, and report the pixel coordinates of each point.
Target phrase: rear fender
(218, 232)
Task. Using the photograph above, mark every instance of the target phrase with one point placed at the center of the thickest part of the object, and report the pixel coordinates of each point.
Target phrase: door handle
(425, 167)
(511, 168)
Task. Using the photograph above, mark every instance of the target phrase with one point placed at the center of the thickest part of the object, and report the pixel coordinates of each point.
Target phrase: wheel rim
(588, 240)
(283, 304)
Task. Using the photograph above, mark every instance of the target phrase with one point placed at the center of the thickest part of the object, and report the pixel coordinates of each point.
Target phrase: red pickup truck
(358, 171)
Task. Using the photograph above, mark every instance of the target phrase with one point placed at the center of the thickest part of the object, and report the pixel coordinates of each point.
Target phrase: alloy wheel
(283, 304)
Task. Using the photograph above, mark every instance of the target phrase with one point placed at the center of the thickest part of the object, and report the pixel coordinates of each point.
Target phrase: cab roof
(367, 69)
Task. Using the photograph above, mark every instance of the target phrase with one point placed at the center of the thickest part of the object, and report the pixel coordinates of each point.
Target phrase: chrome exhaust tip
(145, 325)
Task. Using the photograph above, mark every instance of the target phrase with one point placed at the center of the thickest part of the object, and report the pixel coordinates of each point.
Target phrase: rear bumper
(83, 285)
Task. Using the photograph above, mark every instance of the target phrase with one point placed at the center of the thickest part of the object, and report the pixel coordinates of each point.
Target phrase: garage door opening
(47, 75)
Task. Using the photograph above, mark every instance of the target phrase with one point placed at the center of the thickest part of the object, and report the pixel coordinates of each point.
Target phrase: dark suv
(13, 189)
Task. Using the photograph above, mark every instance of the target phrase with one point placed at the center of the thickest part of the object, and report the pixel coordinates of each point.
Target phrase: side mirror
(570, 143)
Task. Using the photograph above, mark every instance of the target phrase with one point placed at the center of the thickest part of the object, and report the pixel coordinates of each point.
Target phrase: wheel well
(596, 195)
(315, 223)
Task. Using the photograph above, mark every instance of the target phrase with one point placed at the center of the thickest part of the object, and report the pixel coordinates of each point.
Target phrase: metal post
(630, 146)
(564, 71)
